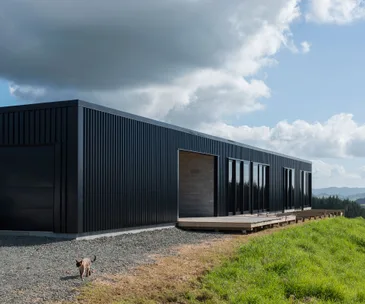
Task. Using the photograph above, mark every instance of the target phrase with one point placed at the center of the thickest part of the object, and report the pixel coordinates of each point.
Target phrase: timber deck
(235, 222)
(313, 214)
(252, 222)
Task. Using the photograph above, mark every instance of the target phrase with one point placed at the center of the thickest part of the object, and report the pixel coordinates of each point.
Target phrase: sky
(284, 75)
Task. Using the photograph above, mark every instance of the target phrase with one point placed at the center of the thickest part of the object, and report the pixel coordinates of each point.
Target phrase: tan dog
(84, 266)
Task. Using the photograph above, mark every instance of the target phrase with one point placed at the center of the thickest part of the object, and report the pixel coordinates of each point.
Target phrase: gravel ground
(38, 270)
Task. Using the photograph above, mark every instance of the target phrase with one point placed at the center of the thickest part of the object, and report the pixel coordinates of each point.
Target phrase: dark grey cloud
(103, 45)
(178, 60)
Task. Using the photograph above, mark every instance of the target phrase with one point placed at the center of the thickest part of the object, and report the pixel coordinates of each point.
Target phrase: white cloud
(334, 175)
(336, 11)
(338, 140)
(362, 172)
(306, 46)
(205, 94)
(178, 61)
(338, 137)
(192, 63)
(26, 91)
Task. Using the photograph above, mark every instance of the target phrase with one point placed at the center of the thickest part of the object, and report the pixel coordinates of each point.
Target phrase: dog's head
(78, 263)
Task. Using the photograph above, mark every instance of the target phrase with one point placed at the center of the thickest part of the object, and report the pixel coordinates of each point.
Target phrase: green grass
(320, 262)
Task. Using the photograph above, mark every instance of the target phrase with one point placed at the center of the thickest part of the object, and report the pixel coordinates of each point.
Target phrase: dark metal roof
(89, 105)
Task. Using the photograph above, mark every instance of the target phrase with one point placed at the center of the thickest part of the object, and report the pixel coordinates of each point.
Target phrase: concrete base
(131, 230)
(86, 236)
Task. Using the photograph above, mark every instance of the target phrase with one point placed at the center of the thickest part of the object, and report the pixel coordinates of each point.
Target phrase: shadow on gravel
(68, 278)
(18, 241)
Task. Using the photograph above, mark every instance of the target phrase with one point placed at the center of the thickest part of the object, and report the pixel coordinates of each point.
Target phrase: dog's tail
(94, 259)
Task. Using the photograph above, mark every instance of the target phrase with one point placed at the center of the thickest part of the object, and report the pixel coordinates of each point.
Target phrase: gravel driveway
(37, 270)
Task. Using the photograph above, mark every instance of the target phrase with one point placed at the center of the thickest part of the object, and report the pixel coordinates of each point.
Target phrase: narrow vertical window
(246, 186)
(238, 203)
(255, 184)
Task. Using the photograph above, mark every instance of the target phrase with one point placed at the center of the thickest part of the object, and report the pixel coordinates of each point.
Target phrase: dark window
(266, 187)
(309, 203)
(260, 192)
(238, 204)
(292, 189)
(231, 193)
(260, 187)
(230, 170)
(255, 189)
(289, 175)
(301, 183)
(306, 188)
(285, 180)
(288, 188)
(263, 186)
(246, 187)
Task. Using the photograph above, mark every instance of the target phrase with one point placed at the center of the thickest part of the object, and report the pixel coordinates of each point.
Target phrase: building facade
(77, 167)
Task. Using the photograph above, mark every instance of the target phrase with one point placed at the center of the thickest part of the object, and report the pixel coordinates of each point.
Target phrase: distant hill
(361, 201)
(342, 192)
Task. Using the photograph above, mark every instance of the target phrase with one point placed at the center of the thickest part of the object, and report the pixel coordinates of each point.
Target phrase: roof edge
(102, 108)
(40, 105)
(95, 106)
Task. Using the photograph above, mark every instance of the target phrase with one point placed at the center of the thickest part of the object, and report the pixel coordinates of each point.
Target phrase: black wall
(54, 125)
(116, 170)
(131, 169)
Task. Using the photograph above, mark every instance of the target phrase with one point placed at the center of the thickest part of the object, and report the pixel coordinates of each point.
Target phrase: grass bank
(321, 262)
(315, 262)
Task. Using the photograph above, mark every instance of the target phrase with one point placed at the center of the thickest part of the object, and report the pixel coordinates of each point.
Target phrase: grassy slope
(321, 262)
(313, 262)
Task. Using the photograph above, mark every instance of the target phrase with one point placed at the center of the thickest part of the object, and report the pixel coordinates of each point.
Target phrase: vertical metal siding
(131, 166)
(52, 125)
(113, 172)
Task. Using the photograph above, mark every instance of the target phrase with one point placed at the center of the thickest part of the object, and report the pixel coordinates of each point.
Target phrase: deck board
(236, 222)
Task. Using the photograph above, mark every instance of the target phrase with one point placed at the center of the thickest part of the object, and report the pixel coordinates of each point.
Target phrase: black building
(76, 167)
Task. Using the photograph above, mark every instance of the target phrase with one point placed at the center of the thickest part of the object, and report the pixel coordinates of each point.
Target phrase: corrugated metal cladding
(49, 125)
(130, 173)
(114, 170)
(131, 170)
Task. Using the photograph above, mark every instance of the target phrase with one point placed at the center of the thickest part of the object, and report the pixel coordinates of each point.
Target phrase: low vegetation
(352, 209)
(321, 262)
(312, 262)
